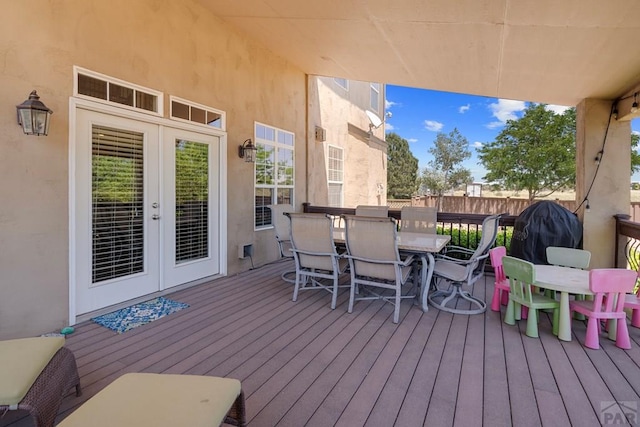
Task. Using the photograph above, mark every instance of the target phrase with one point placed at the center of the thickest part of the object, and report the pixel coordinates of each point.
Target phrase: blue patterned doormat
(128, 318)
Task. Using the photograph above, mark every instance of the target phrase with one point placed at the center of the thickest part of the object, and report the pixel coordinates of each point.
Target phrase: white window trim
(223, 115)
(159, 95)
(376, 108)
(330, 181)
(338, 81)
(274, 186)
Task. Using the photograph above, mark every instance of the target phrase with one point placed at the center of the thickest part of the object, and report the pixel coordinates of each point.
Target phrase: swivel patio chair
(35, 375)
(372, 210)
(521, 276)
(374, 261)
(458, 272)
(610, 286)
(315, 254)
(282, 228)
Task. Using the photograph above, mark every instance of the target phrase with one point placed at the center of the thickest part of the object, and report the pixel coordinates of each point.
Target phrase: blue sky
(419, 114)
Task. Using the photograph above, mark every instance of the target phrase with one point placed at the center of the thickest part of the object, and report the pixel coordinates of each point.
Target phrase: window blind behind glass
(192, 201)
(117, 203)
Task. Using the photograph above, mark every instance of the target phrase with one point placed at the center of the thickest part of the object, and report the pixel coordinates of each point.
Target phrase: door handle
(155, 217)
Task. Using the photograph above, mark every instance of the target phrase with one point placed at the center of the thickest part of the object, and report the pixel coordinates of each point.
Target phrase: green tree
(445, 171)
(635, 157)
(402, 168)
(535, 153)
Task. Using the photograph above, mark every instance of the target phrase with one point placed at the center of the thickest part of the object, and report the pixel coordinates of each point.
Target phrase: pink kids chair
(501, 285)
(610, 286)
(632, 301)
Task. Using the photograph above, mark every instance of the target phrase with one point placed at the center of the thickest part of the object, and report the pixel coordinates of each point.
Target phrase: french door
(147, 208)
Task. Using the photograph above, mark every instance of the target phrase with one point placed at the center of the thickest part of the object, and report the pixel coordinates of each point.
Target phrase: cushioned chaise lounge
(162, 400)
(35, 375)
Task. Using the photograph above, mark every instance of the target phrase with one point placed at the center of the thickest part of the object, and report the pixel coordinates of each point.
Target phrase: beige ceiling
(551, 51)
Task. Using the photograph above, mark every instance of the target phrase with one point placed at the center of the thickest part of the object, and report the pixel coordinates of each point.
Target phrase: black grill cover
(544, 224)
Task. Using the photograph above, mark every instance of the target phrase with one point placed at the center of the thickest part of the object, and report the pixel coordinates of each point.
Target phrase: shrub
(470, 238)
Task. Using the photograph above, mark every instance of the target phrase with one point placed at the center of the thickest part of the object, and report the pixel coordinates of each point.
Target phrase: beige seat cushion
(21, 361)
(158, 400)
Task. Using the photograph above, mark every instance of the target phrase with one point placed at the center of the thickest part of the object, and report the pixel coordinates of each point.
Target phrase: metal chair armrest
(403, 263)
(335, 254)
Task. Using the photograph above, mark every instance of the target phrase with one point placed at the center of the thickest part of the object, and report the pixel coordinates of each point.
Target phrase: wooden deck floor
(305, 364)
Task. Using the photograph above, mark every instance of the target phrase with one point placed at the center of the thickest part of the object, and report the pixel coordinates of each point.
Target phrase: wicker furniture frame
(237, 414)
(43, 399)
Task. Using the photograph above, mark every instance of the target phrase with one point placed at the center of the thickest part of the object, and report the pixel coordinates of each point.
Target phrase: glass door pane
(192, 200)
(117, 202)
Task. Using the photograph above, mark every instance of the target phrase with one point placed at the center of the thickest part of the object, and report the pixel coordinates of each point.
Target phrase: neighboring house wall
(341, 113)
(178, 48)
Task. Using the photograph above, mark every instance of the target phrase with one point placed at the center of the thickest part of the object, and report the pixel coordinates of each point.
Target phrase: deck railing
(463, 230)
(627, 242)
(462, 227)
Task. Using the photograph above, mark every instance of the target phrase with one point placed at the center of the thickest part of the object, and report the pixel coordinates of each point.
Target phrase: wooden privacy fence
(477, 205)
(489, 205)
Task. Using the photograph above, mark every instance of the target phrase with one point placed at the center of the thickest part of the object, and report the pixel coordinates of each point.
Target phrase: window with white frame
(274, 171)
(335, 174)
(113, 91)
(375, 97)
(181, 109)
(343, 83)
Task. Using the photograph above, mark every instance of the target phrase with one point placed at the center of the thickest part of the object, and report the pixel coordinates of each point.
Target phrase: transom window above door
(113, 91)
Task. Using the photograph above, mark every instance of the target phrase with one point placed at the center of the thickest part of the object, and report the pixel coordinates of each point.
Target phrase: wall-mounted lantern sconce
(247, 151)
(33, 115)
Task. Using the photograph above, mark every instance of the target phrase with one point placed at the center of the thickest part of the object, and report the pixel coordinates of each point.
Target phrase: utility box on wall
(245, 251)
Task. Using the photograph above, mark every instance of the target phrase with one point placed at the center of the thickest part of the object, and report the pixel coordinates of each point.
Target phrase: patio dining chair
(282, 227)
(521, 276)
(610, 286)
(418, 219)
(374, 261)
(372, 210)
(315, 254)
(466, 270)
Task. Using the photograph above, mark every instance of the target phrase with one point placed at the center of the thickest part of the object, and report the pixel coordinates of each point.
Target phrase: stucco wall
(178, 48)
(365, 159)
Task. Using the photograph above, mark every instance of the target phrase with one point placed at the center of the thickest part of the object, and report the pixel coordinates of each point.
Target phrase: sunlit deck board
(305, 364)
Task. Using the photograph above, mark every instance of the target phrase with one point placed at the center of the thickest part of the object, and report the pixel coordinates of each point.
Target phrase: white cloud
(388, 104)
(464, 108)
(433, 126)
(412, 140)
(558, 109)
(503, 110)
(494, 125)
(388, 127)
(477, 144)
(635, 132)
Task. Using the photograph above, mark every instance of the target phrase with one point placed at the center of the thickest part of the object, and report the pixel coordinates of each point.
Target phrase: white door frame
(76, 103)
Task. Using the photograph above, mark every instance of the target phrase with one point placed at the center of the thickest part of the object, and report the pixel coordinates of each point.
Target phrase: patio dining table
(567, 281)
(424, 245)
